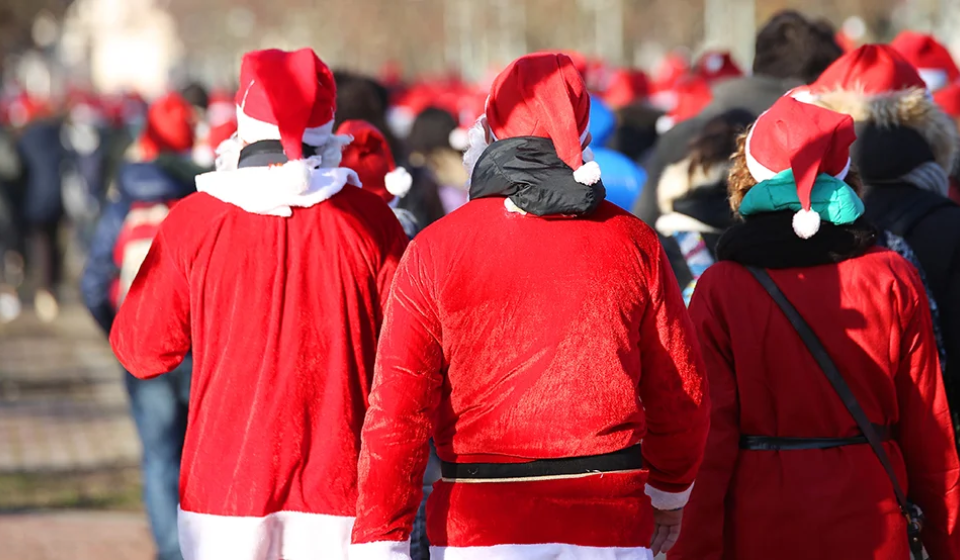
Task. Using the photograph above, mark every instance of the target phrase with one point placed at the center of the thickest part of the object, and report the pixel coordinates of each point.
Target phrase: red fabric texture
(169, 127)
(948, 99)
(506, 347)
(369, 155)
(871, 69)
(925, 52)
(693, 95)
(282, 316)
(872, 316)
(808, 139)
(625, 87)
(599, 511)
(670, 71)
(293, 90)
(542, 95)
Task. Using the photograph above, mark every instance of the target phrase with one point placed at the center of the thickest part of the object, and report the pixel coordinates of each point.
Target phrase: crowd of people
(562, 313)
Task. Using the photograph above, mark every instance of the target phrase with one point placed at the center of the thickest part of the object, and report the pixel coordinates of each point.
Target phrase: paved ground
(68, 449)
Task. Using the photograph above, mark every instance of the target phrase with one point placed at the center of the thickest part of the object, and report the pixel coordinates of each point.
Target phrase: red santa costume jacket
(868, 308)
(282, 314)
(511, 338)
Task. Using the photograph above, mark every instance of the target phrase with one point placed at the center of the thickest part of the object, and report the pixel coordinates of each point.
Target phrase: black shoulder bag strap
(836, 379)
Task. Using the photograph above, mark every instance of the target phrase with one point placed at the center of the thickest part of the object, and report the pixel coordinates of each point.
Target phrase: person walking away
(538, 335)
(693, 197)
(789, 472)
(147, 190)
(906, 148)
(274, 274)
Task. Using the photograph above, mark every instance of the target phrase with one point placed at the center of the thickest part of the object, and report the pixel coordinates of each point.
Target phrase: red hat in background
(544, 95)
(169, 127)
(670, 71)
(24, 108)
(931, 59)
(221, 109)
(871, 69)
(717, 65)
(625, 87)
(369, 155)
(806, 138)
(286, 96)
(693, 94)
(948, 98)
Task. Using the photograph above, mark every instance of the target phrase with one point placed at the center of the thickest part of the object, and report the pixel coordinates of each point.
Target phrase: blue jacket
(136, 182)
(43, 155)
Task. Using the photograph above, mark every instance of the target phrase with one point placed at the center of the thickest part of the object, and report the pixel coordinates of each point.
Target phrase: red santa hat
(543, 95)
(286, 96)
(693, 94)
(875, 83)
(169, 127)
(871, 69)
(717, 65)
(626, 86)
(931, 59)
(807, 139)
(369, 155)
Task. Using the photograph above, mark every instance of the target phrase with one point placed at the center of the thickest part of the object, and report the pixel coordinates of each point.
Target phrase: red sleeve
(926, 435)
(151, 333)
(706, 509)
(399, 422)
(672, 390)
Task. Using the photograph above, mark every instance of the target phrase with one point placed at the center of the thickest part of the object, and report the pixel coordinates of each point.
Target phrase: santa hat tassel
(588, 173)
(806, 223)
(398, 182)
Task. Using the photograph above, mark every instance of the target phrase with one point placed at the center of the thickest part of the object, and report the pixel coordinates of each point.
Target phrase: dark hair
(636, 132)
(195, 94)
(363, 98)
(717, 142)
(431, 131)
(790, 46)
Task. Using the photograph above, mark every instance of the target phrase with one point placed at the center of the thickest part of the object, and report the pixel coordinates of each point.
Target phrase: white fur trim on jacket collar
(251, 130)
(667, 500)
(275, 191)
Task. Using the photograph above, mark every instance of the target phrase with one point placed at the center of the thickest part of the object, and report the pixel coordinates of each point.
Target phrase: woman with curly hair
(790, 470)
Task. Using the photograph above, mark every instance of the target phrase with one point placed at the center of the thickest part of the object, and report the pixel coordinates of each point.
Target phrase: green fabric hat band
(834, 200)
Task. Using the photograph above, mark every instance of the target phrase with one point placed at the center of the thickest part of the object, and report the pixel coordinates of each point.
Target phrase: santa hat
(288, 97)
(543, 95)
(931, 59)
(625, 87)
(717, 65)
(369, 155)
(806, 139)
(169, 127)
(876, 84)
(693, 94)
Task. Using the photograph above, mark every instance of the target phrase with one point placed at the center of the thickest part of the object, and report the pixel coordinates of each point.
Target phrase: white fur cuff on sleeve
(383, 550)
(668, 500)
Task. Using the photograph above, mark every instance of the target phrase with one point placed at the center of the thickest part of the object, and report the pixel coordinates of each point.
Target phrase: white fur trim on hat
(664, 501)
(588, 173)
(398, 182)
(251, 130)
(806, 223)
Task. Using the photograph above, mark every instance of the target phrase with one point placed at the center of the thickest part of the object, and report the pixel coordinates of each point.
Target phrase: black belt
(768, 443)
(624, 460)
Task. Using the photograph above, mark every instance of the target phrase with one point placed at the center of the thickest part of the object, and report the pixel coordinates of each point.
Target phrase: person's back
(788, 473)
(274, 275)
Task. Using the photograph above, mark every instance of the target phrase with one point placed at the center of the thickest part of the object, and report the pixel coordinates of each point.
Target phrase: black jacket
(935, 239)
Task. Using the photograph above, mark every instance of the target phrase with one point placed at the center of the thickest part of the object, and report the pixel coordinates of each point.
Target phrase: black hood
(885, 153)
(528, 170)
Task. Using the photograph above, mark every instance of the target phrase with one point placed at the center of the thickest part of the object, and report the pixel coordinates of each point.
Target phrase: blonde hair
(740, 181)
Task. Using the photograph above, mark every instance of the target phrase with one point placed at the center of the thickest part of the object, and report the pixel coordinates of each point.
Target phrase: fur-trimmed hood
(693, 199)
(912, 108)
(679, 179)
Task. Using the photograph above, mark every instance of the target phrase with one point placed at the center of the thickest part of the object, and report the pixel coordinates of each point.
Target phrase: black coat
(935, 239)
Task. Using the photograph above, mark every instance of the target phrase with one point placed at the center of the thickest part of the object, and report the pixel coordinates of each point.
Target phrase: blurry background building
(150, 44)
